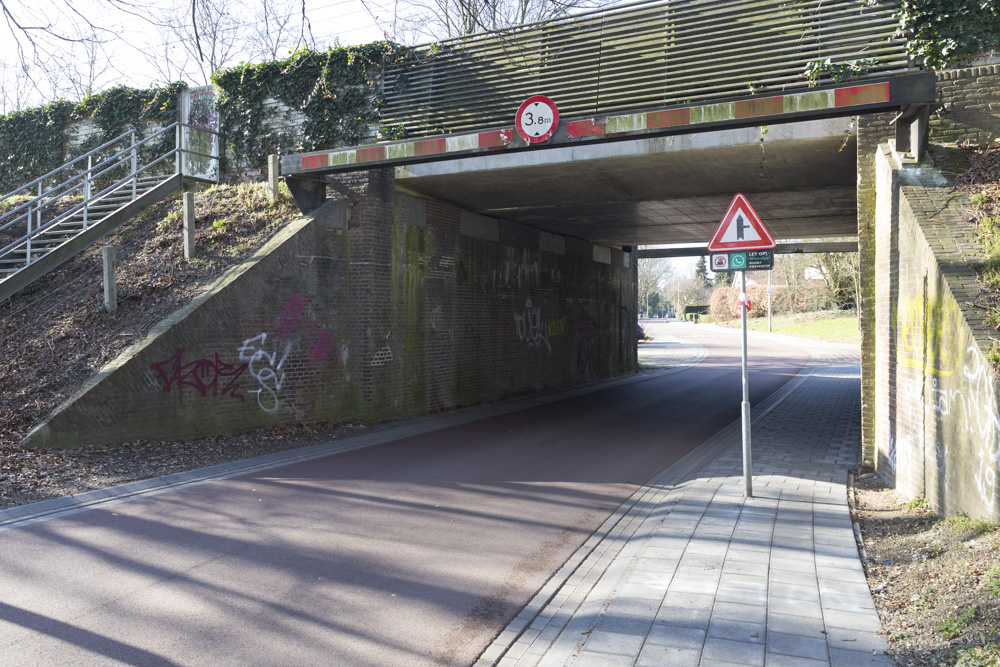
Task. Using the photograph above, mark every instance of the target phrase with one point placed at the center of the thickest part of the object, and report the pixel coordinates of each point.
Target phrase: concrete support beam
(309, 193)
(189, 223)
(911, 130)
(110, 286)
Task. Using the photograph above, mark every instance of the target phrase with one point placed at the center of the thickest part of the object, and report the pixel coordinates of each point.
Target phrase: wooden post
(188, 225)
(110, 287)
(273, 173)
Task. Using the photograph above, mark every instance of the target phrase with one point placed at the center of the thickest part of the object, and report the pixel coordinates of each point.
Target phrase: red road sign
(537, 119)
(741, 229)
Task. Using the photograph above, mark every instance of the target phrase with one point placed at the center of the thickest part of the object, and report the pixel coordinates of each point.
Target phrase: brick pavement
(688, 572)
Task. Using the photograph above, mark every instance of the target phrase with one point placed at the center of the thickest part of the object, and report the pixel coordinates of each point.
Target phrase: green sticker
(738, 260)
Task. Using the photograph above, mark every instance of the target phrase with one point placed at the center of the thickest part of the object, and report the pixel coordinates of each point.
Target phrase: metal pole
(27, 240)
(768, 300)
(135, 165)
(86, 191)
(177, 154)
(747, 459)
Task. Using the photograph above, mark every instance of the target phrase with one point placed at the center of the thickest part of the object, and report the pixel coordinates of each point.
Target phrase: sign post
(746, 246)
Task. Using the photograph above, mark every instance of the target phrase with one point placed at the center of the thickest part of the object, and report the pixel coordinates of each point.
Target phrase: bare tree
(196, 37)
(653, 274)
(839, 271)
(280, 26)
(80, 70)
(445, 19)
(16, 88)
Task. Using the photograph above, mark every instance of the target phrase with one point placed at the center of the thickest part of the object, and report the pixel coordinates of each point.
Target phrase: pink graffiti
(322, 349)
(291, 316)
(203, 375)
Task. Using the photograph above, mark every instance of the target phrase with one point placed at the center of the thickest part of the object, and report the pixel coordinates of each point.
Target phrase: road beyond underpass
(415, 551)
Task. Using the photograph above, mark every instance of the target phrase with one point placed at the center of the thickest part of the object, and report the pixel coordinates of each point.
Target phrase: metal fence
(642, 55)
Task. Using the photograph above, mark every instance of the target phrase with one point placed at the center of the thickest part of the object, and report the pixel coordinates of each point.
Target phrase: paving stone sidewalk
(689, 572)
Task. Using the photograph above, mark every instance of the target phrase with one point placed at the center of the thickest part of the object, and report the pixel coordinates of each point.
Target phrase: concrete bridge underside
(800, 177)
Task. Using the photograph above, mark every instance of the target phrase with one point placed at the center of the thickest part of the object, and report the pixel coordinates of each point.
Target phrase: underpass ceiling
(661, 190)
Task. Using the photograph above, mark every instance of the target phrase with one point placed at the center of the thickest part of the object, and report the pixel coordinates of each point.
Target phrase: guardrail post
(110, 287)
(189, 225)
(135, 164)
(273, 173)
(177, 149)
(27, 242)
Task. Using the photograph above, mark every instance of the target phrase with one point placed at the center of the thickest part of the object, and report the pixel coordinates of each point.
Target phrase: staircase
(89, 200)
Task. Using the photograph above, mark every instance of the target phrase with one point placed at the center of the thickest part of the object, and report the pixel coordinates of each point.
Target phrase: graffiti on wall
(384, 355)
(959, 392)
(586, 355)
(264, 358)
(207, 377)
(321, 347)
(557, 327)
(983, 422)
(529, 327)
(265, 367)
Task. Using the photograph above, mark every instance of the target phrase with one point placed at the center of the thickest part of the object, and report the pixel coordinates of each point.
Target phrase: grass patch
(978, 656)
(991, 580)
(961, 526)
(835, 326)
(955, 625)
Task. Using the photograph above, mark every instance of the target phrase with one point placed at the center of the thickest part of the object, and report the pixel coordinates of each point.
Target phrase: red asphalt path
(417, 551)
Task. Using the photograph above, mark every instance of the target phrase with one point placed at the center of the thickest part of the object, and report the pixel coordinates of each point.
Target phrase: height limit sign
(750, 260)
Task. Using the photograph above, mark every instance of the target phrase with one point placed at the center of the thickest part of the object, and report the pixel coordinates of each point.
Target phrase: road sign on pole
(741, 229)
(743, 244)
(536, 119)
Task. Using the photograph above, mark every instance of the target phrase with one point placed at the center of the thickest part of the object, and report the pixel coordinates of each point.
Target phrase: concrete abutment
(377, 307)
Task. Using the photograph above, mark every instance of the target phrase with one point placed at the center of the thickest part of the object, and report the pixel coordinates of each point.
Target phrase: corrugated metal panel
(650, 54)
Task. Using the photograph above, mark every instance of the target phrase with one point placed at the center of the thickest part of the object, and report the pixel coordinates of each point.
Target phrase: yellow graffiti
(557, 327)
(928, 335)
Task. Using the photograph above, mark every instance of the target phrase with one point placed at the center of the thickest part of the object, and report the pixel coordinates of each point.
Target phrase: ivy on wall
(37, 137)
(35, 141)
(945, 32)
(337, 91)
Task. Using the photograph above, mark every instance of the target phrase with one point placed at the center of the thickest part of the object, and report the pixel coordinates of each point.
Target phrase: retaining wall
(936, 414)
(970, 115)
(381, 308)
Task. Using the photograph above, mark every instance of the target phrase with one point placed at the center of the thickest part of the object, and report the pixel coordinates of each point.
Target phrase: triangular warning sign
(741, 229)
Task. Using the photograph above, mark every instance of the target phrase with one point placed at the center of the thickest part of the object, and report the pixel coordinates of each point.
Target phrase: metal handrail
(128, 156)
(69, 164)
(130, 150)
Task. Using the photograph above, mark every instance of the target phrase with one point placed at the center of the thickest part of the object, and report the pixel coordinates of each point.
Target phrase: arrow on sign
(741, 229)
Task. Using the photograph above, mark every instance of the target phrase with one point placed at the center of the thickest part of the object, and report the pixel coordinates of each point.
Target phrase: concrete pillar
(188, 225)
(110, 287)
(273, 173)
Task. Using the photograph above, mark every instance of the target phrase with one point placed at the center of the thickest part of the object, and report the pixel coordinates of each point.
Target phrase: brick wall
(379, 309)
(971, 116)
(972, 106)
(936, 430)
(872, 130)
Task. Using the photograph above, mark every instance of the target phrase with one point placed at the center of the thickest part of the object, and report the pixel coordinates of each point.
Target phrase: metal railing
(83, 198)
(639, 56)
